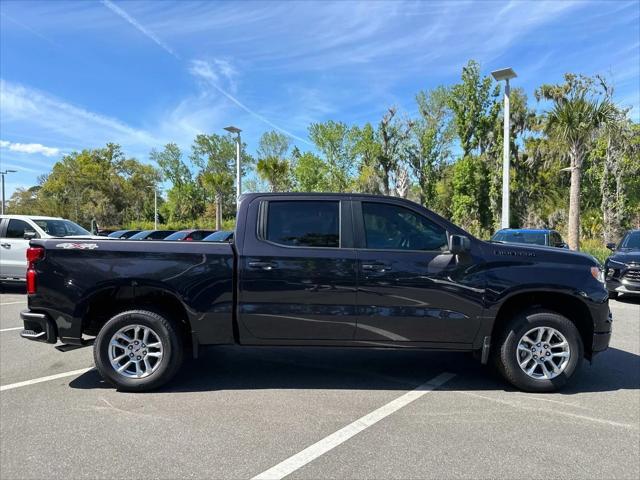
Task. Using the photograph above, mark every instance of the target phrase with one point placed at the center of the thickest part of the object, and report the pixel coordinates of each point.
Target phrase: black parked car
(152, 235)
(189, 235)
(123, 234)
(622, 268)
(219, 236)
(530, 236)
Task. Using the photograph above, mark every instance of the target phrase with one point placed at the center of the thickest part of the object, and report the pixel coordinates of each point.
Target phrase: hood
(518, 251)
(629, 256)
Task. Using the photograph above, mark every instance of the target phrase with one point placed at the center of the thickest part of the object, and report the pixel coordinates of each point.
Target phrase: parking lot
(240, 412)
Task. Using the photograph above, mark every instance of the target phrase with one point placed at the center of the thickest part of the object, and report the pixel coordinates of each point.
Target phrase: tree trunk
(574, 199)
(386, 189)
(608, 203)
(218, 211)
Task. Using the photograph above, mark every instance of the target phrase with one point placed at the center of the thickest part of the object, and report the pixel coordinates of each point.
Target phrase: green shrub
(596, 248)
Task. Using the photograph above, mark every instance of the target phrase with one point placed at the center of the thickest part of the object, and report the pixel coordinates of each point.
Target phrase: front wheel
(138, 351)
(539, 351)
(613, 295)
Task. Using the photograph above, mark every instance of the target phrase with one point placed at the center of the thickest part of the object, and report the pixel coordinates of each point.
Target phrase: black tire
(171, 345)
(613, 295)
(506, 359)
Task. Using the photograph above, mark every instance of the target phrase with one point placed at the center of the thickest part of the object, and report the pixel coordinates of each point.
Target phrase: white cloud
(206, 72)
(30, 148)
(29, 110)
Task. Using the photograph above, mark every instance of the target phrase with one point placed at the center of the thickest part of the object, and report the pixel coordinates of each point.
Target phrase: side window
(304, 223)
(16, 228)
(398, 228)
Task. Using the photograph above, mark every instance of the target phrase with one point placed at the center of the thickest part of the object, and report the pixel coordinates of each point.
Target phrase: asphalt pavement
(316, 413)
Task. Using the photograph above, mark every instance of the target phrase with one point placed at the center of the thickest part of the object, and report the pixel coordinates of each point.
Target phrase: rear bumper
(38, 327)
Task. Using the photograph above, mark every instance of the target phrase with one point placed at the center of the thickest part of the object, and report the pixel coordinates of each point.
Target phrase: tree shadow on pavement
(633, 300)
(255, 368)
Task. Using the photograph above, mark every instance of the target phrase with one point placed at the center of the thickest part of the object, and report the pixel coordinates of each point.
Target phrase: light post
(237, 131)
(505, 74)
(3, 173)
(155, 206)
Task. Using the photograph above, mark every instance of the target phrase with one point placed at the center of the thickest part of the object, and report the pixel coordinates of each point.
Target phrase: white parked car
(17, 230)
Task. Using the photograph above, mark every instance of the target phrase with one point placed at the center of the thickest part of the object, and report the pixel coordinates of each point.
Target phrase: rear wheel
(138, 351)
(539, 351)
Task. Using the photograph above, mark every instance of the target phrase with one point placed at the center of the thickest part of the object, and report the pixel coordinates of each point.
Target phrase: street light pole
(155, 206)
(3, 200)
(505, 74)
(237, 131)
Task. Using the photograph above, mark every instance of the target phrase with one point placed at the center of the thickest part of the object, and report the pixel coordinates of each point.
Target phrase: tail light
(33, 255)
(188, 239)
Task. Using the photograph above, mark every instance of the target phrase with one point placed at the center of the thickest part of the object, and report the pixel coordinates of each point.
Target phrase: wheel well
(106, 304)
(565, 305)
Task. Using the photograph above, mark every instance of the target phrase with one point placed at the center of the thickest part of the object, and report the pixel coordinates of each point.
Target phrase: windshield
(61, 228)
(532, 238)
(631, 241)
(221, 236)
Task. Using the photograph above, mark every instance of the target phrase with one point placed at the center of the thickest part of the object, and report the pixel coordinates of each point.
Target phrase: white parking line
(11, 386)
(314, 451)
(10, 329)
(12, 303)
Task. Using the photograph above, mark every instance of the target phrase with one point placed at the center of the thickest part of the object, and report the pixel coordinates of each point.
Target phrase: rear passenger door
(297, 271)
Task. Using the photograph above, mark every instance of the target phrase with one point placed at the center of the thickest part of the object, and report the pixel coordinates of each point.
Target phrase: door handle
(5, 245)
(263, 265)
(376, 267)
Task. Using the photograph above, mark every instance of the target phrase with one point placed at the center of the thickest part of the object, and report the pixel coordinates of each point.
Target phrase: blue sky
(79, 74)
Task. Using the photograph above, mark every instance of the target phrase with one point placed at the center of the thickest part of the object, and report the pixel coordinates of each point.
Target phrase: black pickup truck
(320, 269)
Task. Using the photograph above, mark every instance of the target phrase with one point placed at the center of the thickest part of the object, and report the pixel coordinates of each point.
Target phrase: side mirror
(30, 235)
(562, 245)
(611, 246)
(459, 244)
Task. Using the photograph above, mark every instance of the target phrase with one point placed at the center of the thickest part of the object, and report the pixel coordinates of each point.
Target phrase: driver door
(410, 288)
(13, 249)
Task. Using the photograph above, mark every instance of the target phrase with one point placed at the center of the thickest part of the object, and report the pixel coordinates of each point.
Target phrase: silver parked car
(17, 230)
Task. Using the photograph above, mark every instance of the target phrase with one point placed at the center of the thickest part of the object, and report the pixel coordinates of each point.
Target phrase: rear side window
(304, 223)
(16, 228)
(398, 228)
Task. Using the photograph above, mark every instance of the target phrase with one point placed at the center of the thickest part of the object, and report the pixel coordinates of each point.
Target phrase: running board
(67, 347)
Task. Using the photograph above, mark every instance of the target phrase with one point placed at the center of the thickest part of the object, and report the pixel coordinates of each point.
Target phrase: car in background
(152, 235)
(622, 268)
(189, 235)
(219, 236)
(17, 230)
(530, 236)
(123, 234)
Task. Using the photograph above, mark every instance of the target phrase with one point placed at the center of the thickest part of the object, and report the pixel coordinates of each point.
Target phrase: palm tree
(578, 112)
(275, 172)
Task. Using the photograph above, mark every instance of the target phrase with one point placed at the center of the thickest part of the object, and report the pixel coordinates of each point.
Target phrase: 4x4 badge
(77, 246)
